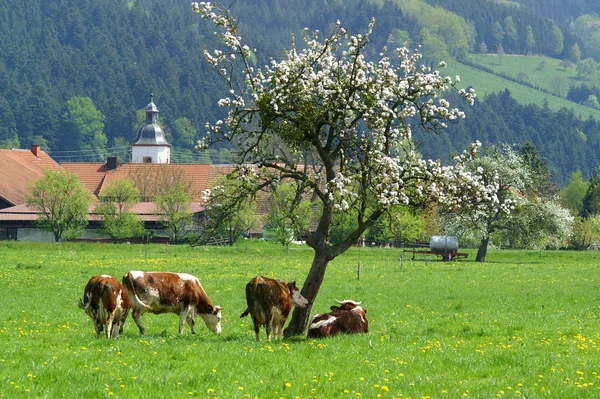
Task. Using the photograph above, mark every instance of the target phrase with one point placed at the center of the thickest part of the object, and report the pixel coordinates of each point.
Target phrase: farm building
(150, 170)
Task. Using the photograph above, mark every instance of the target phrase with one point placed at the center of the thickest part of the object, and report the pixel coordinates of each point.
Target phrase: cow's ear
(217, 309)
(334, 308)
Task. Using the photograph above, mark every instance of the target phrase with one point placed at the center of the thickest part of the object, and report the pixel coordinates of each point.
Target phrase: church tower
(151, 145)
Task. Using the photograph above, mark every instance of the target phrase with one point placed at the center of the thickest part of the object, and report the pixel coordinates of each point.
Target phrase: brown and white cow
(106, 301)
(179, 293)
(348, 318)
(269, 304)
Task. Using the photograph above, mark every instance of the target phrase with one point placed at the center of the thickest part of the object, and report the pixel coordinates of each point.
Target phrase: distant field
(525, 324)
(539, 70)
(485, 83)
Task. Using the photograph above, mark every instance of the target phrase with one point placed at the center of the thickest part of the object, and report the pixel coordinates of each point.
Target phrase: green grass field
(510, 65)
(524, 324)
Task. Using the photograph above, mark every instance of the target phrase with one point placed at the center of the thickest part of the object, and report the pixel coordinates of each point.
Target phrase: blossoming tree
(338, 125)
(515, 212)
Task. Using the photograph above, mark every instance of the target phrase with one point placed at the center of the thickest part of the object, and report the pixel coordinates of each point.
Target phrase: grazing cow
(178, 293)
(106, 301)
(269, 304)
(348, 318)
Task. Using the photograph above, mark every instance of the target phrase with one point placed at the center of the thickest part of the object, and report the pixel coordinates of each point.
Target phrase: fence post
(358, 269)
(401, 260)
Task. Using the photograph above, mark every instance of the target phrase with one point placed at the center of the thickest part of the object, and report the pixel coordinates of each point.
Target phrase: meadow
(525, 324)
(511, 65)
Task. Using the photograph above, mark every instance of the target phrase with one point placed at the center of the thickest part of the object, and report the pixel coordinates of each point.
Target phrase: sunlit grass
(524, 324)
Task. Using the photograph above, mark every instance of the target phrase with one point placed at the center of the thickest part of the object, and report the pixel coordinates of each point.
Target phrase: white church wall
(158, 154)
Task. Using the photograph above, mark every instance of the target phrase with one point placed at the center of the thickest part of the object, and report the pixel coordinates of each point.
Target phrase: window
(146, 159)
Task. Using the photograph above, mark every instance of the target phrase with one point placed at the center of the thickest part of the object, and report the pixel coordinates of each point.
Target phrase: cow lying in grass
(348, 318)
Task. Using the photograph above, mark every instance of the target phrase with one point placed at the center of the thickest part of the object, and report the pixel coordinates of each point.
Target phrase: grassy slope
(485, 83)
(521, 325)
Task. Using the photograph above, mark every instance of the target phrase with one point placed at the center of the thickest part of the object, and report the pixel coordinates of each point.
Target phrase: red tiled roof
(18, 169)
(95, 176)
(89, 174)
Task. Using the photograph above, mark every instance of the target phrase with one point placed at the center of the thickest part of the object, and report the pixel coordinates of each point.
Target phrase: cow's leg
(256, 328)
(122, 323)
(275, 329)
(190, 321)
(97, 327)
(115, 330)
(109, 324)
(136, 317)
(280, 329)
(269, 327)
(183, 315)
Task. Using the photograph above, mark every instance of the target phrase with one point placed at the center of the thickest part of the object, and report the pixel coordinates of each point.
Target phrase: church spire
(151, 145)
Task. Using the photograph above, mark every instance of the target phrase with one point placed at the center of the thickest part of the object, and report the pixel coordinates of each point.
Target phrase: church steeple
(151, 145)
(151, 112)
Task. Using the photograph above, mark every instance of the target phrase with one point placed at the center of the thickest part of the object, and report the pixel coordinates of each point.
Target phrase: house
(18, 169)
(150, 169)
(18, 222)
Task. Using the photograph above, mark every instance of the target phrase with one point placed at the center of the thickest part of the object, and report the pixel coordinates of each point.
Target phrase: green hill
(485, 82)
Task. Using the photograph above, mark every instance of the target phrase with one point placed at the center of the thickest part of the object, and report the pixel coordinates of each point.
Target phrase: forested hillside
(562, 11)
(74, 74)
(567, 142)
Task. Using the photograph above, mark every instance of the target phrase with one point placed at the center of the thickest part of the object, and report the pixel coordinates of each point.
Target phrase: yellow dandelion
(385, 388)
(288, 385)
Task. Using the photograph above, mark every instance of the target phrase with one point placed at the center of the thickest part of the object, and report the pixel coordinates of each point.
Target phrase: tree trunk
(299, 320)
(482, 251)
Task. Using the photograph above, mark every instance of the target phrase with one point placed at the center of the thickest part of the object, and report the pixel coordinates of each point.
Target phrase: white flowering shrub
(340, 125)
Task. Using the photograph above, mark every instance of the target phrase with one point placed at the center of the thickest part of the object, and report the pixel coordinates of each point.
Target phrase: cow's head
(297, 299)
(213, 318)
(346, 304)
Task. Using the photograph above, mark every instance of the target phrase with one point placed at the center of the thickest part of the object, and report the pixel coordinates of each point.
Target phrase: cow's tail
(82, 305)
(245, 313)
(128, 282)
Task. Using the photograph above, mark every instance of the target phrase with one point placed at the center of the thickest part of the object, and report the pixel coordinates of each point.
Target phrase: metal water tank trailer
(444, 244)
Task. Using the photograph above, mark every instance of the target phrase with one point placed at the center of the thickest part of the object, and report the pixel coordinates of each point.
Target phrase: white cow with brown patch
(179, 293)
